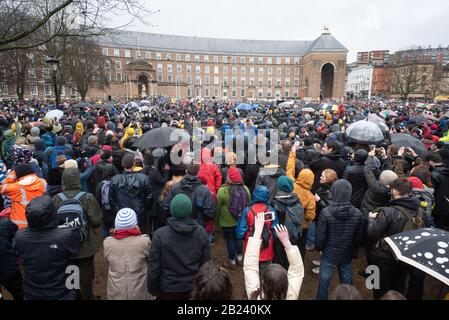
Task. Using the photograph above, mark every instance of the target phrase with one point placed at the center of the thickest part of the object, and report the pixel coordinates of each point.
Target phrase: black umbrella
(312, 105)
(408, 141)
(82, 105)
(358, 117)
(255, 115)
(417, 120)
(162, 137)
(425, 249)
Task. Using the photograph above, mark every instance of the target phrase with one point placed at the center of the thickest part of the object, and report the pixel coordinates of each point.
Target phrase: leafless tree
(29, 24)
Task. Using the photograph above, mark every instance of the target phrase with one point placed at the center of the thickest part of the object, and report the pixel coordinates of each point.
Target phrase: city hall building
(194, 67)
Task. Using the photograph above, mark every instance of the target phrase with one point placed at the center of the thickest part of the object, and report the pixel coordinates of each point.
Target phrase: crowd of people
(76, 185)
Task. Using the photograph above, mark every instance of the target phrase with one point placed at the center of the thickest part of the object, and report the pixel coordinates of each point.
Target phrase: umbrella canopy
(145, 103)
(408, 141)
(58, 114)
(365, 132)
(375, 118)
(255, 115)
(417, 120)
(82, 105)
(132, 104)
(358, 117)
(244, 107)
(309, 110)
(429, 115)
(285, 104)
(349, 110)
(162, 137)
(312, 105)
(425, 249)
(388, 114)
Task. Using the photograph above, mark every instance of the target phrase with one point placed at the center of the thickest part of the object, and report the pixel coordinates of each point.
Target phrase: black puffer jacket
(132, 190)
(268, 177)
(440, 181)
(177, 253)
(8, 263)
(339, 228)
(355, 174)
(332, 161)
(324, 193)
(390, 221)
(377, 194)
(46, 251)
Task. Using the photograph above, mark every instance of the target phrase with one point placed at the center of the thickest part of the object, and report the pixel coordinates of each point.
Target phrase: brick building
(192, 67)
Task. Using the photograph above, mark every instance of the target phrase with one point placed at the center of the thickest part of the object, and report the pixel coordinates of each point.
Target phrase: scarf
(122, 234)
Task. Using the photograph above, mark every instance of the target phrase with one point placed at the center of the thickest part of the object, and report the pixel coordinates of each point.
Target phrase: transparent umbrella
(365, 132)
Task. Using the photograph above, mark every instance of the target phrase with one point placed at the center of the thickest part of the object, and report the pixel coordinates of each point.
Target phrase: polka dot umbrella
(425, 249)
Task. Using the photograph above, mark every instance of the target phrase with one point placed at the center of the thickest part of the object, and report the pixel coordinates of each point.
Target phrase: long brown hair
(273, 284)
(212, 283)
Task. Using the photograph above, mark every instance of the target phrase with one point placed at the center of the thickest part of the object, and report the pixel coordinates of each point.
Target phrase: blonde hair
(231, 158)
(331, 176)
(22, 141)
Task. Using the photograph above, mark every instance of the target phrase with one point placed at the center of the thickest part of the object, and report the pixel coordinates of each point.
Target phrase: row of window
(225, 81)
(243, 92)
(34, 90)
(225, 70)
(200, 58)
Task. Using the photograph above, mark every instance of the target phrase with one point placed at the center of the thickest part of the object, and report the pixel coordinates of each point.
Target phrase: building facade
(191, 67)
(360, 82)
(375, 58)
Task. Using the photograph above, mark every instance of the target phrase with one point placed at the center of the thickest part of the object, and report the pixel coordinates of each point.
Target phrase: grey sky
(359, 25)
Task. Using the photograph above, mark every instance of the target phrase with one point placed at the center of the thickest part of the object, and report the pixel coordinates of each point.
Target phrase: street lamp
(54, 64)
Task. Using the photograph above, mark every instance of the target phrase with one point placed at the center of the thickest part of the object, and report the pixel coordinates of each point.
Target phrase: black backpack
(189, 191)
(294, 219)
(266, 234)
(71, 214)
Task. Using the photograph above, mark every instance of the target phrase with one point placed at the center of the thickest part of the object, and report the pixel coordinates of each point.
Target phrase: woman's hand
(258, 225)
(282, 234)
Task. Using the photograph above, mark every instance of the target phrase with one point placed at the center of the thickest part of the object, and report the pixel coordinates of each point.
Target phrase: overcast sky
(359, 25)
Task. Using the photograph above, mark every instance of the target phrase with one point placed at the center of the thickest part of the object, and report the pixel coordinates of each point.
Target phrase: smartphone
(270, 216)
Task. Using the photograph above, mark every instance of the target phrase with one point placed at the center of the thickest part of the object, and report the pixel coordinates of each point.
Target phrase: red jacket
(209, 171)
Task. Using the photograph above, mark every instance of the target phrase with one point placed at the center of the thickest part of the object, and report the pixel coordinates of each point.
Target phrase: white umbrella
(308, 110)
(58, 114)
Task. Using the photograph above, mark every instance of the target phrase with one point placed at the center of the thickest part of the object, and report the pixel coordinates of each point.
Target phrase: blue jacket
(261, 195)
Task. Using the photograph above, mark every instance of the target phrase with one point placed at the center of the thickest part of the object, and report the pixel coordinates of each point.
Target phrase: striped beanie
(125, 219)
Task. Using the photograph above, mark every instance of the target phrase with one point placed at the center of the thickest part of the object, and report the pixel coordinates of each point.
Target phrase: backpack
(71, 214)
(413, 223)
(58, 151)
(188, 190)
(105, 187)
(266, 234)
(239, 201)
(294, 219)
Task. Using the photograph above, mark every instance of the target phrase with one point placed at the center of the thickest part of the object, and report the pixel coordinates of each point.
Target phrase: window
(187, 57)
(269, 60)
(295, 93)
(278, 60)
(225, 70)
(189, 92)
(260, 83)
(287, 60)
(118, 76)
(207, 80)
(178, 79)
(188, 68)
(118, 65)
(160, 78)
(170, 78)
(73, 92)
(278, 71)
(243, 70)
(260, 93)
(277, 93)
(207, 92)
(251, 60)
(207, 69)
(105, 52)
(269, 93)
(260, 60)
(287, 71)
(269, 82)
(158, 56)
(251, 70)
(206, 59)
(270, 71)
(242, 93)
(116, 53)
(243, 82)
(97, 76)
(296, 71)
(287, 93)
(3, 89)
(234, 60)
(234, 71)
(138, 55)
(45, 73)
(189, 79)
(225, 92)
(296, 82)
(107, 76)
(242, 60)
(168, 56)
(297, 60)
(287, 82)
(179, 68)
(278, 82)
(216, 70)
(197, 58)
(234, 81)
(127, 54)
(260, 71)
(47, 89)
(251, 81)
(159, 68)
(148, 55)
(234, 92)
(169, 68)
(33, 89)
(216, 59)
(197, 69)
(216, 92)
(224, 59)
(178, 57)
(216, 81)
(32, 73)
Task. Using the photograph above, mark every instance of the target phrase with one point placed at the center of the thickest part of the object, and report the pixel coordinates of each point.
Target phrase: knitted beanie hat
(126, 219)
(181, 206)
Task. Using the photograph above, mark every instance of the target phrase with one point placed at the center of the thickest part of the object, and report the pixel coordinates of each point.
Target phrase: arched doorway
(143, 80)
(327, 80)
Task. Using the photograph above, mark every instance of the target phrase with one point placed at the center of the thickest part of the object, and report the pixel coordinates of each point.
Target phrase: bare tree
(439, 83)
(29, 24)
(86, 66)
